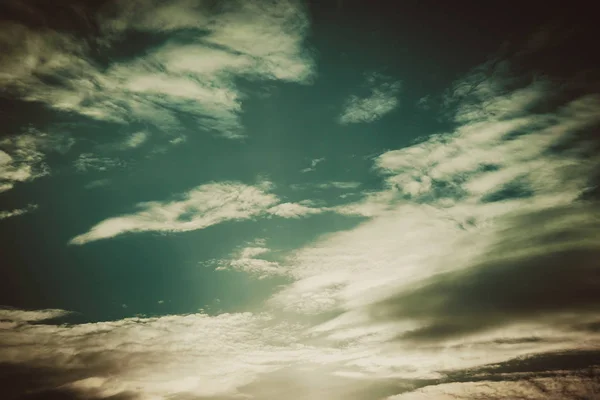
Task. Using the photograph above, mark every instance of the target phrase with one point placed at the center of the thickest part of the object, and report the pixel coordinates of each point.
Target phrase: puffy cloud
(381, 100)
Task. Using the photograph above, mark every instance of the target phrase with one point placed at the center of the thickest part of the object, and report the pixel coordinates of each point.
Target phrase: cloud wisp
(17, 212)
(381, 100)
(22, 156)
(199, 208)
(91, 162)
(252, 260)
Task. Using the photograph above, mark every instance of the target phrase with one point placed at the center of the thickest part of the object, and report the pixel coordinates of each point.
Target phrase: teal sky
(316, 200)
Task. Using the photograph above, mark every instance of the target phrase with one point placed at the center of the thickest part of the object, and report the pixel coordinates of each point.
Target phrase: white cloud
(91, 162)
(199, 208)
(443, 211)
(382, 100)
(22, 156)
(18, 211)
(97, 183)
(313, 165)
(247, 261)
(339, 185)
(442, 214)
(256, 266)
(435, 203)
(16, 315)
(328, 185)
(196, 80)
(293, 210)
(135, 140)
(195, 355)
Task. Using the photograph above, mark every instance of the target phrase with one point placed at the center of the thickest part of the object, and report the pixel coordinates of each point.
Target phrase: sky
(358, 200)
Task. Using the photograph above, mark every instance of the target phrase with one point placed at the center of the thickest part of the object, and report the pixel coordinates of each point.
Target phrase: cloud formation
(17, 212)
(192, 355)
(193, 79)
(91, 162)
(22, 156)
(135, 140)
(562, 387)
(201, 207)
(293, 210)
(381, 100)
(481, 246)
(248, 260)
(313, 165)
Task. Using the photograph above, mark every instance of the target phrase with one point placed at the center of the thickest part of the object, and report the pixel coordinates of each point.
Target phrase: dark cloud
(537, 364)
(542, 265)
(27, 382)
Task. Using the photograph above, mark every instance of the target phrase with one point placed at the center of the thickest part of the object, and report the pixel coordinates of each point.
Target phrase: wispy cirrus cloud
(91, 162)
(453, 185)
(17, 212)
(343, 185)
(466, 244)
(22, 156)
(293, 210)
(199, 208)
(191, 79)
(381, 100)
(252, 260)
(135, 140)
(478, 252)
(313, 165)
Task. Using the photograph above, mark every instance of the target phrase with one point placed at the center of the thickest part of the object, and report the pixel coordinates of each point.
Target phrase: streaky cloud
(382, 100)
